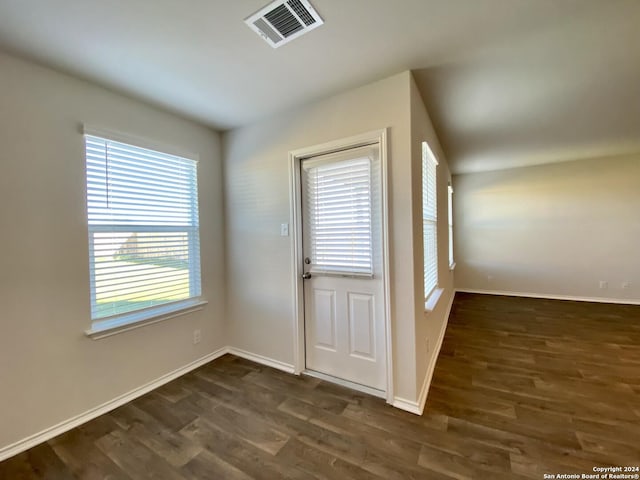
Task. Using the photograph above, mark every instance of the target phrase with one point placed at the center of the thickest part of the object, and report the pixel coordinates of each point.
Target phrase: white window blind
(429, 219)
(339, 217)
(450, 205)
(144, 242)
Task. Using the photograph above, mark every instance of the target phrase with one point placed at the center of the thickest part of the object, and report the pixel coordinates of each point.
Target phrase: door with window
(343, 266)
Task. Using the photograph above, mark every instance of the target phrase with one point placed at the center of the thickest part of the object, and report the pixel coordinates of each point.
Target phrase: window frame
(452, 262)
(430, 217)
(109, 325)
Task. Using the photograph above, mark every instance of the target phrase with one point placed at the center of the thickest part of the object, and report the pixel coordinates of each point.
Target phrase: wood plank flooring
(523, 387)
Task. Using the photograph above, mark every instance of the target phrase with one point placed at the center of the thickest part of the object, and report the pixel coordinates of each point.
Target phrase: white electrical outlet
(284, 229)
(604, 284)
(197, 336)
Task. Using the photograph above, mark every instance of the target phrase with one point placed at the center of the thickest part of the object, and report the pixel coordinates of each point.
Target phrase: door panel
(342, 248)
(361, 327)
(324, 319)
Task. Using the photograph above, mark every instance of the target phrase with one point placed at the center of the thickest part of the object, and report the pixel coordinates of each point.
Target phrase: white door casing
(342, 251)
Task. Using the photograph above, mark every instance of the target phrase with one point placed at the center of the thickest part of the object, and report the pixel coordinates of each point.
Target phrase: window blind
(144, 246)
(450, 219)
(339, 217)
(429, 219)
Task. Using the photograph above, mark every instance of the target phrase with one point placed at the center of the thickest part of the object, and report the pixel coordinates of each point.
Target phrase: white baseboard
(62, 427)
(407, 405)
(254, 357)
(417, 407)
(619, 301)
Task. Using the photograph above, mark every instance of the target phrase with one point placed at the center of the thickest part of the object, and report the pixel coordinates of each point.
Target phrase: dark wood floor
(522, 387)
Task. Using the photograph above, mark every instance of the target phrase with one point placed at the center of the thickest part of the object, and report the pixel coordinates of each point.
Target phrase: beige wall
(429, 325)
(551, 230)
(49, 370)
(259, 269)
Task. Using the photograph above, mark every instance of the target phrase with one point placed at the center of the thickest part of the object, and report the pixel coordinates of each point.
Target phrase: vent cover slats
(284, 20)
(302, 12)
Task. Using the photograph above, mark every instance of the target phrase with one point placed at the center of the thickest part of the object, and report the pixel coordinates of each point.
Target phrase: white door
(343, 266)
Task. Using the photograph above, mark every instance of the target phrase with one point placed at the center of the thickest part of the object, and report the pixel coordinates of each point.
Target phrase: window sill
(432, 301)
(123, 323)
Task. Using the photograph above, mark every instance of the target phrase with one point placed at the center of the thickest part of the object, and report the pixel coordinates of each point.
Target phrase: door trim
(376, 137)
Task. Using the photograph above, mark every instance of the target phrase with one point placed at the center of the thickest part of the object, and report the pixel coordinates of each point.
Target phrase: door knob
(306, 276)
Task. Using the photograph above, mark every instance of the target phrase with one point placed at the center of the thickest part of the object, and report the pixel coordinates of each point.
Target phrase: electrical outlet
(284, 229)
(197, 336)
(604, 284)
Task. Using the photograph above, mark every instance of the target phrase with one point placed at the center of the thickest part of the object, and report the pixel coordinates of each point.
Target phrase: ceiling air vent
(284, 20)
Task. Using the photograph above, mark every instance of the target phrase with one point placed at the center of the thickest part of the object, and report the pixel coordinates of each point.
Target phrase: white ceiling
(507, 82)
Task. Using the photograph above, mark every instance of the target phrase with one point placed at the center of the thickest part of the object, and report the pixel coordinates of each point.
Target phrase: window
(429, 219)
(339, 216)
(144, 247)
(450, 205)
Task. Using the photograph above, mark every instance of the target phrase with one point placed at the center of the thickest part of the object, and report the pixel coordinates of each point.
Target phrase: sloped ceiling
(507, 82)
